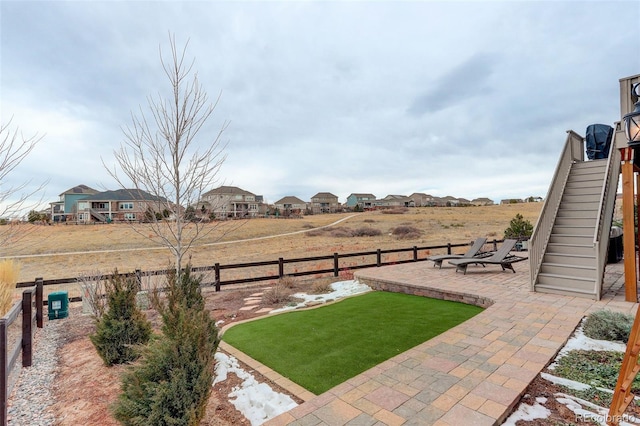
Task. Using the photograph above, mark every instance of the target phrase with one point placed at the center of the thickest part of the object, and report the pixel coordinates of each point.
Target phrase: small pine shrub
(608, 325)
(366, 231)
(122, 328)
(518, 228)
(9, 271)
(172, 383)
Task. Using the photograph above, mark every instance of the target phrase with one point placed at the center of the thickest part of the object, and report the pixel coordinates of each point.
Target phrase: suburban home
(325, 202)
(66, 208)
(118, 205)
(395, 201)
(290, 206)
(511, 201)
(463, 202)
(422, 200)
(482, 201)
(364, 201)
(231, 201)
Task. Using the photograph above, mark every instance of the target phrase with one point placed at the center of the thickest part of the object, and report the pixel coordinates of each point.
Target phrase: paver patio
(473, 374)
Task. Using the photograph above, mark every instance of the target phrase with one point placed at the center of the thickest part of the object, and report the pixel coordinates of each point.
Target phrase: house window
(126, 206)
(101, 206)
(253, 207)
(129, 216)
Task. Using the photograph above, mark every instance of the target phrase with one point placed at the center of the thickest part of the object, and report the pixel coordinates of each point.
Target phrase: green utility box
(58, 303)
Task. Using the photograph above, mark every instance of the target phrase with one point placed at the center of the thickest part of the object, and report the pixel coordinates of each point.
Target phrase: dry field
(61, 251)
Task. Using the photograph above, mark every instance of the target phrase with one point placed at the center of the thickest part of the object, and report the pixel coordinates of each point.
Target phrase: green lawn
(321, 348)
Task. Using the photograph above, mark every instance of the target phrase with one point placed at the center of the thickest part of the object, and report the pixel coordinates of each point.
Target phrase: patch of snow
(571, 384)
(340, 289)
(528, 412)
(580, 341)
(256, 401)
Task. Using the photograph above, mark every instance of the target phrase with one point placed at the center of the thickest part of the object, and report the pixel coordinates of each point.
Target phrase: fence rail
(279, 270)
(31, 308)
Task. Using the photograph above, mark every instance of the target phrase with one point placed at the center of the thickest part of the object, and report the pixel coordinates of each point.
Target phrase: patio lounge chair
(473, 251)
(500, 257)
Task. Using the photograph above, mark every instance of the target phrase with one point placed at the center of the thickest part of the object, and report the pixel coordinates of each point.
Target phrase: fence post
(336, 268)
(216, 269)
(139, 279)
(415, 253)
(280, 267)
(39, 304)
(27, 328)
(4, 380)
(495, 245)
(379, 258)
(448, 248)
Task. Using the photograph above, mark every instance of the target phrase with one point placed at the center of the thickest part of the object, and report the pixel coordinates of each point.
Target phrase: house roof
(324, 195)
(363, 195)
(234, 190)
(123, 195)
(80, 189)
(290, 200)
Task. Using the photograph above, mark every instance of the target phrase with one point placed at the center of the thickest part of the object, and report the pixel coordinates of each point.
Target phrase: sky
(468, 99)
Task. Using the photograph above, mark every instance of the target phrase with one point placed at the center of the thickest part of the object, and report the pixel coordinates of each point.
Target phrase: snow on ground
(257, 401)
(340, 289)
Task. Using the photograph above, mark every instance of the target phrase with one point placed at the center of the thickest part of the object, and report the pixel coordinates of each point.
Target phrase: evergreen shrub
(123, 327)
(172, 382)
(608, 325)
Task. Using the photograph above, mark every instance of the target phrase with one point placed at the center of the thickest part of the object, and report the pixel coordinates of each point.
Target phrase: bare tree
(168, 160)
(15, 200)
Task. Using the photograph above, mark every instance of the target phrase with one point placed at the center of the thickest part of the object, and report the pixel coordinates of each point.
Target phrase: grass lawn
(321, 348)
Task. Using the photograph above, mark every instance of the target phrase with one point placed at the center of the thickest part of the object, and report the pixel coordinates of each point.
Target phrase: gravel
(31, 400)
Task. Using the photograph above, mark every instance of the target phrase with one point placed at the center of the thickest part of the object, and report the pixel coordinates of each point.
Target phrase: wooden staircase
(569, 261)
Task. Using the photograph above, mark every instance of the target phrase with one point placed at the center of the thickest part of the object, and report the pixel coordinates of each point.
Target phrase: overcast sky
(469, 99)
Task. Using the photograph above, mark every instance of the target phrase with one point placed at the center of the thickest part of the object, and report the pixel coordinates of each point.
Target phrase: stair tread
(560, 288)
(569, 277)
(565, 265)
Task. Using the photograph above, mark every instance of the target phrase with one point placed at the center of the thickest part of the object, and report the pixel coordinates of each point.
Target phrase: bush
(172, 383)
(366, 231)
(395, 210)
(406, 232)
(277, 294)
(9, 271)
(122, 328)
(608, 325)
(341, 232)
(518, 228)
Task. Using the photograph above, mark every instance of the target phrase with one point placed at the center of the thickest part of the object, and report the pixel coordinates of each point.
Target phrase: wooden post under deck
(628, 222)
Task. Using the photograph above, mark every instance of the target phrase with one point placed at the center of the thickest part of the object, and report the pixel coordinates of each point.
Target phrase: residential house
(395, 201)
(364, 201)
(449, 201)
(482, 201)
(422, 200)
(325, 202)
(231, 201)
(118, 205)
(511, 201)
(290, 205)
(463, 202)
(66, 208)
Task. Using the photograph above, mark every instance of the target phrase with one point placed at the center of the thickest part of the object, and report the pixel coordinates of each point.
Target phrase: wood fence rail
(31, 308)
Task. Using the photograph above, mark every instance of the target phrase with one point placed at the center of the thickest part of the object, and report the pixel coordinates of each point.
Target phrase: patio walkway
(473, 374)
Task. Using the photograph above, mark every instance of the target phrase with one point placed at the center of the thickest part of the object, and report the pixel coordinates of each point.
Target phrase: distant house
(533, 199)
(422, 200)
(450, 201)
(364, 201)
(66, 208)
(511, 201)
(118, 205)
(463, 202)
(395, 201)
(231, 201)
(290, 204)
(325, 202)
(482, 201)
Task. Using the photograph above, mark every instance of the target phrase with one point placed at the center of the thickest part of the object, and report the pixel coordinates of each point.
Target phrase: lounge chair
(473, 251)
(500, 257)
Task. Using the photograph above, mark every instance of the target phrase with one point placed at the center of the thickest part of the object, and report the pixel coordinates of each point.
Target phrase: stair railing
(573, 151)
(605, 215)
